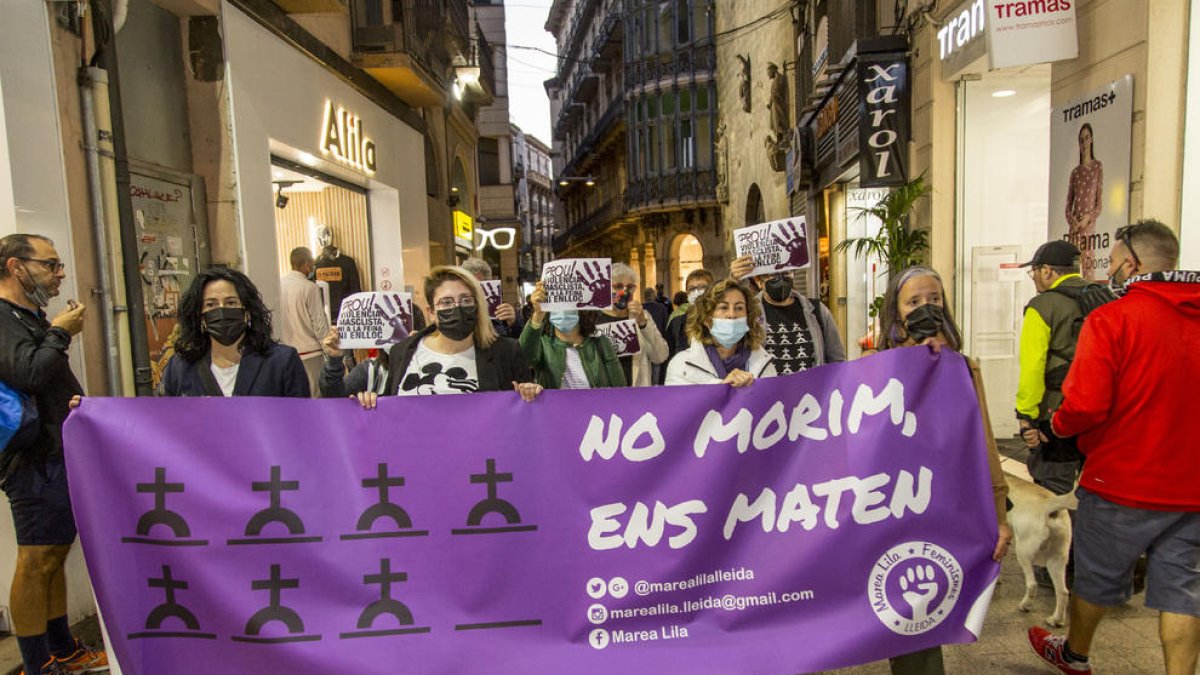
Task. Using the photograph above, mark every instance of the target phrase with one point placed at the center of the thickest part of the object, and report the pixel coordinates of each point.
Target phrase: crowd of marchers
(1102, 402)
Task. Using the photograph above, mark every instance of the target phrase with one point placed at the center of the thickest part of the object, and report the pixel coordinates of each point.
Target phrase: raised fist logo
(794, 243)
(597, 281)
(919, 588)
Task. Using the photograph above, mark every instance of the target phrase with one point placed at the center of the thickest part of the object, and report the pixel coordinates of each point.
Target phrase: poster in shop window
(1089, 171)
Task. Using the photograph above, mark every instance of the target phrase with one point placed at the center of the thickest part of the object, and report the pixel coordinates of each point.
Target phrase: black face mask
(621, 300)
(456, 323)
(225, 324)
(924, 322)
(778, 289)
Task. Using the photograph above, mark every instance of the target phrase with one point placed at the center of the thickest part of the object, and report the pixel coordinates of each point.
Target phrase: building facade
(534, 173)
(995, 145)
(634, 106)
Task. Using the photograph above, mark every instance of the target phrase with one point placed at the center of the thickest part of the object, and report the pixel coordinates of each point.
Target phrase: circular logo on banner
(914, 586)
(385, 285)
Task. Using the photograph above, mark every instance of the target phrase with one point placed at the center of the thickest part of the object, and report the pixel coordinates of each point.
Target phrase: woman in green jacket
(565, 351)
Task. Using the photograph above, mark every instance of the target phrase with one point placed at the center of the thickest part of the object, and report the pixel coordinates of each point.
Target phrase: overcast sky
(527, 69)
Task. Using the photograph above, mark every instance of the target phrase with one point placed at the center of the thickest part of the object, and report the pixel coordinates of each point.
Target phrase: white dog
(1042, 533)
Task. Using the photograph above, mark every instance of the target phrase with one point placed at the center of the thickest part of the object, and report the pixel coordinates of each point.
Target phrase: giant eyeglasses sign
(500, 238)
(344, 139)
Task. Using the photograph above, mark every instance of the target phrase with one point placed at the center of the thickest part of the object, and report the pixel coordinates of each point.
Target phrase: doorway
(307, 203)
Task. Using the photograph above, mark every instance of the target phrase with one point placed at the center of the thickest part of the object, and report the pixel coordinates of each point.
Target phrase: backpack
(1087, 298)
(18, 419)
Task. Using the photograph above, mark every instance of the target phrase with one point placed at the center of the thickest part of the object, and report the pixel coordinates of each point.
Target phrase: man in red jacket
(1129, 398)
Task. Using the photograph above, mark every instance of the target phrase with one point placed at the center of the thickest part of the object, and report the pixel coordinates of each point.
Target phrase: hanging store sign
(1032, 31)
(344, 139)
(884, 127)
(464, 228)
(962, 39)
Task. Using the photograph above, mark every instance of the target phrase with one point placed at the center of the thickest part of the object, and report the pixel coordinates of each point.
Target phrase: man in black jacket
(33, 360)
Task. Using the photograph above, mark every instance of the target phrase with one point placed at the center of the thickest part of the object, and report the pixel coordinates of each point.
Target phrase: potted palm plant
(897, 244)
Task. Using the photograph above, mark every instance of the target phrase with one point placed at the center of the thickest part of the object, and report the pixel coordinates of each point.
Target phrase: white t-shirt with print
(432, 372)
(574, 376)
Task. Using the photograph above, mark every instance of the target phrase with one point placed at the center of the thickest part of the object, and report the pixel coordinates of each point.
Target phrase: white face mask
(696, 292)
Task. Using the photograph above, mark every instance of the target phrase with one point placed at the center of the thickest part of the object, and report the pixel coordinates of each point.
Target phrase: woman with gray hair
(915, 313)
(638, 368)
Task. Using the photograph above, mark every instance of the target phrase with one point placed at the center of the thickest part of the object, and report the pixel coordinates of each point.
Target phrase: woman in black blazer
(225, 346)
(460, 353)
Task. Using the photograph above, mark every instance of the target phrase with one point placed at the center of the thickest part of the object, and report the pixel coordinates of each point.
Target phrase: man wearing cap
(1047, 348)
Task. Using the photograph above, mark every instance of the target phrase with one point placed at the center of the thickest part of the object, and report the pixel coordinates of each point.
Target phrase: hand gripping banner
(808, 522)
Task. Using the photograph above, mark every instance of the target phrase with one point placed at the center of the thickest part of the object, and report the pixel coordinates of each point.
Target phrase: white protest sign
(369, 320)
(623, 335)
(491, 291)
(777, 246)
(577, 283)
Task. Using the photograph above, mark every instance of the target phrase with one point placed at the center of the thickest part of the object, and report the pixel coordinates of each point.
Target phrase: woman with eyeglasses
(460, 352)
(638, 368)
(915, 313)
(566, 352)
(726, 332)
(225, 346)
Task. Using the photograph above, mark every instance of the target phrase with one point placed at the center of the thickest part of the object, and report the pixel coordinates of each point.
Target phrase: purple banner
(808, 522)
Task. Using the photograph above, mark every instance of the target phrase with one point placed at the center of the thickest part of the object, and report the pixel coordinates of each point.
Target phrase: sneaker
(1050, 647)
(83, 660)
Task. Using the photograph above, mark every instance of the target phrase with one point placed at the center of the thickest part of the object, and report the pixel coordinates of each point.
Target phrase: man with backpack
(1050, 330)
(801, 332)
(1130, 399)
(33, 361)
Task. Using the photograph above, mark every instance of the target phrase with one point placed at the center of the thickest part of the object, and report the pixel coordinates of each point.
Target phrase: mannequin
(336, 269)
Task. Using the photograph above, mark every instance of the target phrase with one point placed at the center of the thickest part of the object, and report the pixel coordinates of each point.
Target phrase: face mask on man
(566, 320)
(728, 332)
(695, 293)
(1116, 281)
(34, 290)
(225, 324)
(925, 321)
(778, 289)
(456, 323)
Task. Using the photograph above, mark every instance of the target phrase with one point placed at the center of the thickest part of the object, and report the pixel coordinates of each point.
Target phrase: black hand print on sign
(796, 246)
(626, 338)
(494, 298)
(397, 316)
(597, 281)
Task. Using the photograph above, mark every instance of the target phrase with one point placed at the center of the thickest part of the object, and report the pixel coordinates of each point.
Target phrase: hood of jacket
(1178, 288)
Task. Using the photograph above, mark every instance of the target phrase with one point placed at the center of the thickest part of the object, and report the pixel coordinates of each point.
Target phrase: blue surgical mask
(566, 320)
(728, 332)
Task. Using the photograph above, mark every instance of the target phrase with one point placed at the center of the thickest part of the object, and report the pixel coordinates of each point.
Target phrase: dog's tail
(1059, 503)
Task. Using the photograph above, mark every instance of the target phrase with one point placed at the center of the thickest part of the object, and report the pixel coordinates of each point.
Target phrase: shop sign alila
(344, 139)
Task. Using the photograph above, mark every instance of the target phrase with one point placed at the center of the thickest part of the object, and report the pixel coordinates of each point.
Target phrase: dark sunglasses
(1125, 236)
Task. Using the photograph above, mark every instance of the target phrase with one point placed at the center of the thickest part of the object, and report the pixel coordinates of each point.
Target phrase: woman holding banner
(225, 346)
(566, 352)
(914, 313)
(726, 331)
(460, 353)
